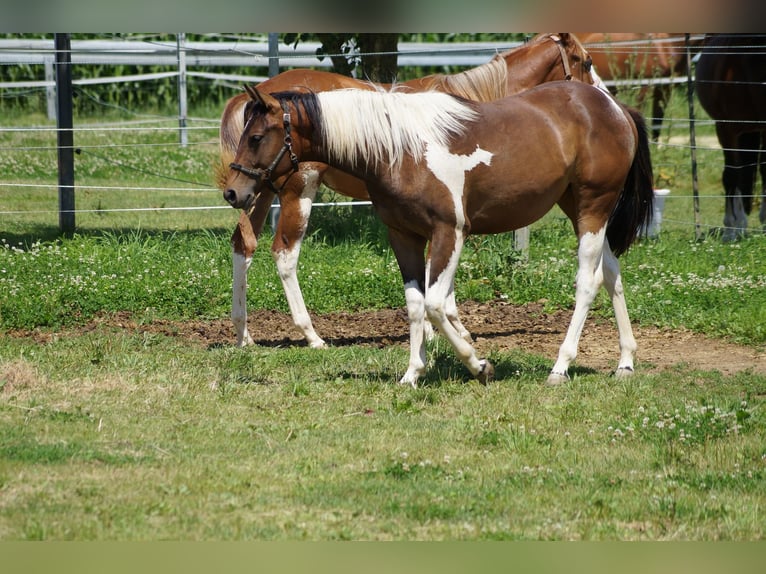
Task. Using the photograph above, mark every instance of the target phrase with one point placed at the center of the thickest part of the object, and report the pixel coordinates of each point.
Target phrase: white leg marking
(436, 302)
(239, 298)
(590, 276)
(287, 267)
(416, 314)
(613, 284)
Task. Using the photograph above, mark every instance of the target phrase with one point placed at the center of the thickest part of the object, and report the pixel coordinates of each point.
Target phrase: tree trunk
(381, 63)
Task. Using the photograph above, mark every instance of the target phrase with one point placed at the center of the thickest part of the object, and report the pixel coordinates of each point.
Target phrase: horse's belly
(510, 210)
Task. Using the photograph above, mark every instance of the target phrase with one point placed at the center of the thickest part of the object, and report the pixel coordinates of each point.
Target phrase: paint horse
(544, 58)
(730, 81)
(438, 168)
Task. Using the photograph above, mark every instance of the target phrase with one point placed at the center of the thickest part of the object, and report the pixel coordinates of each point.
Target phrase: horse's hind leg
(613, 284)
(590, 276)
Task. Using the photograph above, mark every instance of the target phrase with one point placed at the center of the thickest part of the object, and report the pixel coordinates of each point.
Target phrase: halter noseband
(287, 147)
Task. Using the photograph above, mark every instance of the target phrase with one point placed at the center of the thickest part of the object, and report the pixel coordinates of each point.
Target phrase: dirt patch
(495, 325)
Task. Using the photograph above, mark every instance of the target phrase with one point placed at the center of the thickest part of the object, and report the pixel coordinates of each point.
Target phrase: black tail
(635, 206)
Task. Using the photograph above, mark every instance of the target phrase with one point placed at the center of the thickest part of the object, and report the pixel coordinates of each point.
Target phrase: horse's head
(575, 62)
(265, 152)
(575, 59)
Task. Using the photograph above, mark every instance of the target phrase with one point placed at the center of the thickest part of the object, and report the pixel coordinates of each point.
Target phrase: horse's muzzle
(235, 200)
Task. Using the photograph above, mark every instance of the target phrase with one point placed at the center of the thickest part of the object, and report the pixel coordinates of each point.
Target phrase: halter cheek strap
(287, 147)
(564, 59)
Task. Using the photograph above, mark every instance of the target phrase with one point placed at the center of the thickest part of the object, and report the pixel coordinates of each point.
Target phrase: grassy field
(106, 434)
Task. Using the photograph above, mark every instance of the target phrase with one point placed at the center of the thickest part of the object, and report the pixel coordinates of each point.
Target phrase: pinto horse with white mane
(438, 168)
(546, 57)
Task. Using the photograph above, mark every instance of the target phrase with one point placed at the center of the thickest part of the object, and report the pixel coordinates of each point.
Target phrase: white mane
(369, 126)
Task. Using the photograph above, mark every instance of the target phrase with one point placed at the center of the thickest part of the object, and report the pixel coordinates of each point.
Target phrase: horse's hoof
(487, 372)
(624, 372)
(320, 344)
(409, 379)
(556, 379)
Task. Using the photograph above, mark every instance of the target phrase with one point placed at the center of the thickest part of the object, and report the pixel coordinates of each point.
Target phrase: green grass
(111, 435)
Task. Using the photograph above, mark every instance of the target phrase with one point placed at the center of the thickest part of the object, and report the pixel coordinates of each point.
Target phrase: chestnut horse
(643, 56)
(439, 167)
(730, 81)
(544, 58)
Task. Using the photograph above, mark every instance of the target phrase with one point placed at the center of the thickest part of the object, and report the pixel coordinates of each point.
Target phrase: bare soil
(495, 326)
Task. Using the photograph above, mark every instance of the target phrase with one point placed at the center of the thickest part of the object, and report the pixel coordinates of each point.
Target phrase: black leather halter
(265, 174)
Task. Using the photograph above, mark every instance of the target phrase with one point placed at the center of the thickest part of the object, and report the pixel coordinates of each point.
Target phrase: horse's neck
(523, 76)
(484, 83)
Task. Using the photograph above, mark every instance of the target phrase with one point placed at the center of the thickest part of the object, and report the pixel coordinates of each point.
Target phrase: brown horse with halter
(730, 82)
(438, 168)
(546, 57)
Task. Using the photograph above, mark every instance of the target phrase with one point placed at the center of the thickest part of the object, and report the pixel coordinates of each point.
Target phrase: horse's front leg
(408, 250)
(296, 200)
(446, 246)
(451, 309)
(243, 242)
(590, 276)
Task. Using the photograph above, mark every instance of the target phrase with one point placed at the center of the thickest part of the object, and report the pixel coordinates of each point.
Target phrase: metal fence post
(692, 139)
(182, 112)
(65, 137)
(50, 91)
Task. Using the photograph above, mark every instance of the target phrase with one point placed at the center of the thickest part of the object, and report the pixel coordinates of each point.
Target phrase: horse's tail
(635, 205)
(232, 126)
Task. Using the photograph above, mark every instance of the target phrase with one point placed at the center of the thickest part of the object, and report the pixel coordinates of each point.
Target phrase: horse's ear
(266, 100)
(564, 37)
(251, 92)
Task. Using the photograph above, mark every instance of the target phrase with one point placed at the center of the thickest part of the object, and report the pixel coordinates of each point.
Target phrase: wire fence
(202, 131)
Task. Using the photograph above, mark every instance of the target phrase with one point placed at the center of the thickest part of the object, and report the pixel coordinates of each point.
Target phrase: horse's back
(575, 104)
(731, 77)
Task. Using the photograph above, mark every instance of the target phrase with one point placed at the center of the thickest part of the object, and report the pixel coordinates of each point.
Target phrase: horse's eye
(587, 65)
(255, 139)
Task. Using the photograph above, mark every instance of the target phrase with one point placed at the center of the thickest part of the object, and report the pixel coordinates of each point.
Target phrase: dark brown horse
(439, 168)
(640, 56)
(730, 83)
(544, 58)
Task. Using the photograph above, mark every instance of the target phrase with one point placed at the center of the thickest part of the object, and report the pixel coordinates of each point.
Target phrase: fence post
(64, 136)
(692, 138)
(182, 112)
(50, 91)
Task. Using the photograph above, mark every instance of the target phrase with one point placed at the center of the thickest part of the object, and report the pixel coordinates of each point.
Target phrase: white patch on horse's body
(450, 169)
